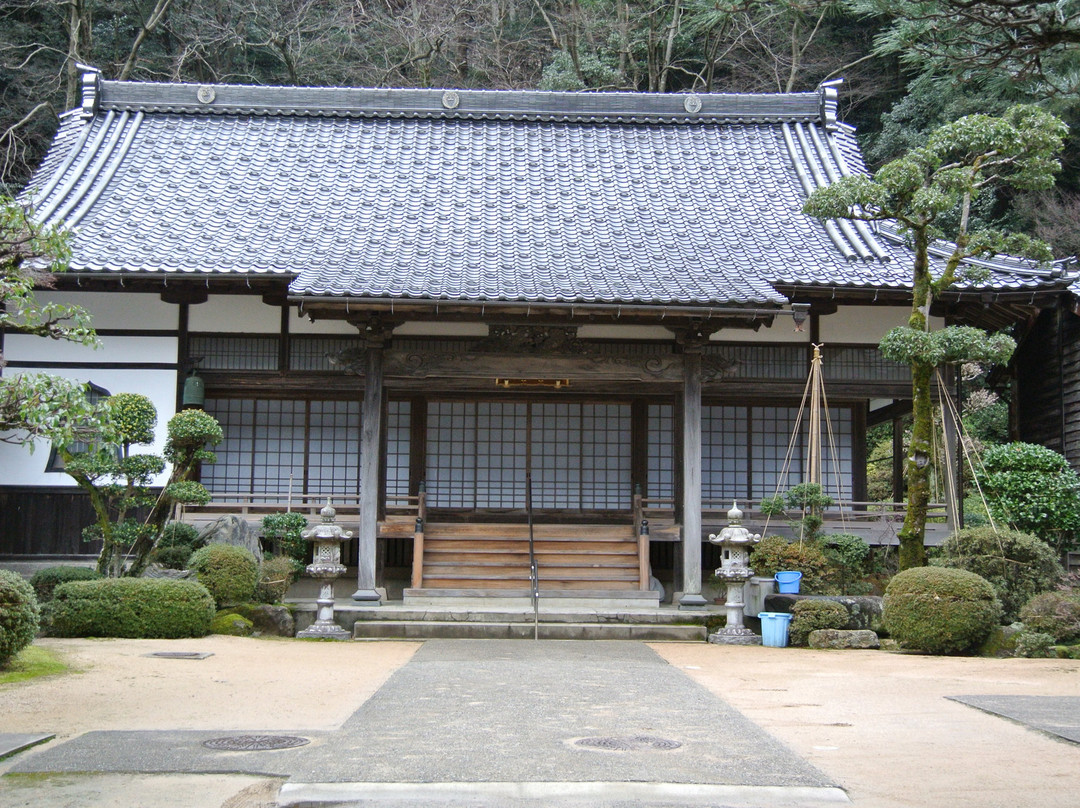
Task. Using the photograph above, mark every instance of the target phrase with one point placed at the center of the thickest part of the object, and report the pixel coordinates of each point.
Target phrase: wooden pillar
(691, 480)
(371, 428)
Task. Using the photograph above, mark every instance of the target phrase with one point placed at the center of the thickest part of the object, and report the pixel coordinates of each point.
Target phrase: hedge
(140, 608)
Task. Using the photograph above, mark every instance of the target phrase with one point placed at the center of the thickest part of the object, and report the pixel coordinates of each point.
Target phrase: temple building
(449, 305)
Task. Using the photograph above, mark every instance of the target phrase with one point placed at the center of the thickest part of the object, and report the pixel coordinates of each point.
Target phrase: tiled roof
(467, 195)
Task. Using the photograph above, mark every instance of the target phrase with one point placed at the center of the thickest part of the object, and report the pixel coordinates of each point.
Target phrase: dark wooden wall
(1048, 384)
(45, 521)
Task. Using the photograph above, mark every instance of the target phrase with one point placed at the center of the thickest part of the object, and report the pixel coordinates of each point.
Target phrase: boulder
(864, 611)
(232, 624)
(158, 571)
(270, 621)
(835, 638)
(233, 530)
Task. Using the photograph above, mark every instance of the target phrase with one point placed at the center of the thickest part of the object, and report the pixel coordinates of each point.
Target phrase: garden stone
(232, 530)
(158, 571)
(864, 611)
(834, 638)
(272, 621)
(231, 624)
(1001, 643)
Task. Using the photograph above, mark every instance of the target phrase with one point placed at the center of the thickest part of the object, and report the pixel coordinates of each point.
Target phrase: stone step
(548, 614)
(509, 630)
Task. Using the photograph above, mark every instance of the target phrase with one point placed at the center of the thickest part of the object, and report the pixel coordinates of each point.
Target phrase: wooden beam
(691, 479)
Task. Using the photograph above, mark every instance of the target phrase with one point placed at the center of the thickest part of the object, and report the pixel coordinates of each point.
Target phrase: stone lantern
(326, 564)
(735, 541)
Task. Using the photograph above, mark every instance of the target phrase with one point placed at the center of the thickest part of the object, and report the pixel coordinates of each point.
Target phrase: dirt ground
(876, 722)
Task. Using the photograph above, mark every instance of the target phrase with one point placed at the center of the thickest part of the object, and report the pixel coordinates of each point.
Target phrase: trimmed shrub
(1053, 613)
(229, 572)
(1035, 645)
(775, 553)
(171, 558)
(18, 615)
(1034, 489)
(180, 534)
(46, 580)
(810, 615)
(940, 610)
(139, 608)
(276, 575)
(848, 555)
(1018, 565)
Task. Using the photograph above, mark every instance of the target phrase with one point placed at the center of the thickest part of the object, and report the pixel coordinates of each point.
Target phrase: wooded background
(908, 66)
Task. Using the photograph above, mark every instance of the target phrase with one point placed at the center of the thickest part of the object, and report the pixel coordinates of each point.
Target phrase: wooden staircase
(496, 557)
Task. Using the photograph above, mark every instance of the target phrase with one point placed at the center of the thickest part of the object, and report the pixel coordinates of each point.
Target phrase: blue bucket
(774, 627)
(787, 583)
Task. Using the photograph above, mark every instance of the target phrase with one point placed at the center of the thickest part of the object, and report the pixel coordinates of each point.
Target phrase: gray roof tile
(620, 198)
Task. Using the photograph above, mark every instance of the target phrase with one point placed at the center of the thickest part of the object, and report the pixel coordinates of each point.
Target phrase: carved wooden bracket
(533, 339)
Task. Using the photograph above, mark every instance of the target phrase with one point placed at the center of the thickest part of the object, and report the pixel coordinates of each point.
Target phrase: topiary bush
(810, 615)
(18, 615)
(46, 580)
(276, 575)
(171, 558)
(775, 553)
(180, 534)
(140, 608)
(178, 541)
(1033, 489)
(1018, 565)
(1053, 613)
(940, 610)
(229, 572)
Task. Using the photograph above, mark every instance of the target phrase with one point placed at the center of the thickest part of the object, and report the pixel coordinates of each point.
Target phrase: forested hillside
(908, 66)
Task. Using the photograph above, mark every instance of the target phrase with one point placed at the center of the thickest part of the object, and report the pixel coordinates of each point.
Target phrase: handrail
(534, 572)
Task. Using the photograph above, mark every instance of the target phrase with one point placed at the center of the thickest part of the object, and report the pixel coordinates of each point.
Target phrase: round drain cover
(255, 743)
(630, 744)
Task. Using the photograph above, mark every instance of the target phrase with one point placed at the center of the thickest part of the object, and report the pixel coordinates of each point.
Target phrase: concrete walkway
(501, 723)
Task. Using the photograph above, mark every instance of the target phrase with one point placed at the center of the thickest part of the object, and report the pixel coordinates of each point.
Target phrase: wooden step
(482, 583)
(540, 546)
(515, 531)
(543, 559)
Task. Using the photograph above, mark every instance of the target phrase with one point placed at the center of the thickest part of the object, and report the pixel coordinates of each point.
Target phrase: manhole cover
(255, 743)
(631, 744)
(180, 654)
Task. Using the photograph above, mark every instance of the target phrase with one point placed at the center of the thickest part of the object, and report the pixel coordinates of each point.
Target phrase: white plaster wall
(120, 309)
(866, 324)
(235, 314)
(299, 323)
(23, 348)
(19, 467)
(782, 331)
(420, 328)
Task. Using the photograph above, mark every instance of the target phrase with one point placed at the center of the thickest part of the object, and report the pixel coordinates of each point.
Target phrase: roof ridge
(593, 107)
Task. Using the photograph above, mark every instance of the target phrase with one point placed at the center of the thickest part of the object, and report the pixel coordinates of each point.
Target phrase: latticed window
(743, 452)
(478, 452)
(313, 447)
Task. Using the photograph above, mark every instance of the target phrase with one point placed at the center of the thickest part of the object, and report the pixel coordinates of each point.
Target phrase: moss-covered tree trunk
(917, 462)
(917, 477)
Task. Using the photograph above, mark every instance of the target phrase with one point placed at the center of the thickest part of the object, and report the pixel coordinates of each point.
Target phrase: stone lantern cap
(327, 530)
(734, 533)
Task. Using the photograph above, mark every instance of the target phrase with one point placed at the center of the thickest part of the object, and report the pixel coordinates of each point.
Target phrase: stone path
(507, 723)
(1058, 716)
